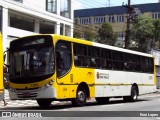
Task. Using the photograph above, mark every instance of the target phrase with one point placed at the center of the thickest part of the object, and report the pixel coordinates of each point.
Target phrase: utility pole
(129, 12)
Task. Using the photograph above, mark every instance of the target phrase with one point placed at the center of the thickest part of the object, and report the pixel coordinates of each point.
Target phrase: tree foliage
(106, 34)
(89, 33)
(144, 34)
(157, 34)
(77, 33)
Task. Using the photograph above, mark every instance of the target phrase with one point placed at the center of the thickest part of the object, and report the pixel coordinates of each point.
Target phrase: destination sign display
(32, 41)
(35, 42)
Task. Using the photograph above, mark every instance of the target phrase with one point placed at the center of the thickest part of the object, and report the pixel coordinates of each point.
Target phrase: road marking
(149, 96)
(158, 118)
(112, 105)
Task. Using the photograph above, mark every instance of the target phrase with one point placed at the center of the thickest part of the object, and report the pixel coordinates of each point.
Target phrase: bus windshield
(30, 61)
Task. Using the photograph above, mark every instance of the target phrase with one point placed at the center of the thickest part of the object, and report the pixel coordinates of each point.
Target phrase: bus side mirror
(5, 57)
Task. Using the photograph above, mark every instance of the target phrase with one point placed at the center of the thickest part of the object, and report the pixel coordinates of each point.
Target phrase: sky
(83, 4)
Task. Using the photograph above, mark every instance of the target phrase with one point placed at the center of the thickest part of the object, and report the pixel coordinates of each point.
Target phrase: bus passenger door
(63, 67)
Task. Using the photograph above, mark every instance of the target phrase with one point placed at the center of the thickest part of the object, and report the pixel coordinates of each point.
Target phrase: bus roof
(106, 46)
(76, 40)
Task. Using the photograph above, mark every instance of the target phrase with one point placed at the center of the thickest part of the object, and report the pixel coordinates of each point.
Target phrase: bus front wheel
(102, 100)
(44, 102)
(80, 99)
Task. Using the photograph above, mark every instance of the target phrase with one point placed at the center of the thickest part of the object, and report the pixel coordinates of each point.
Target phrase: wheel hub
(134, 95)
(81, 96)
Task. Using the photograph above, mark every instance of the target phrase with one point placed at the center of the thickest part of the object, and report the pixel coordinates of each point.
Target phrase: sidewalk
(20, 103)
(16, 103)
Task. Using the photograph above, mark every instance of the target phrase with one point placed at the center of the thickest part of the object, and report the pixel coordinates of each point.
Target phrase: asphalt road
(146, 108)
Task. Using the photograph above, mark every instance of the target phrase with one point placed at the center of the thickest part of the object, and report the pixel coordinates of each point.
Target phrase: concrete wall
(32, 9)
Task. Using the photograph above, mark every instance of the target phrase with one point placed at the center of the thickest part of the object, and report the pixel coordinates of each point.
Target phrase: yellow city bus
(1, 70)
(51, 67)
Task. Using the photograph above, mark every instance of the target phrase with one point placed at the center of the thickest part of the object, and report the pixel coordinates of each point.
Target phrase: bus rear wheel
(44, 102)
(133, 97)
(102, 100)
(80, 99)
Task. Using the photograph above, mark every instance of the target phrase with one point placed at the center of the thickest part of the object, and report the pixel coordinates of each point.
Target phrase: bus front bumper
(47, 93)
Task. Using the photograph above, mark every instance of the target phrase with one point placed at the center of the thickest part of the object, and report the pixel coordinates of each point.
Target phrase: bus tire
(102, 100)
(134, 95)
(44, 102)
(80, 99)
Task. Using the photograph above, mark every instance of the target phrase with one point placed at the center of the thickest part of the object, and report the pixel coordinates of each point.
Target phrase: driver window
(63, 57)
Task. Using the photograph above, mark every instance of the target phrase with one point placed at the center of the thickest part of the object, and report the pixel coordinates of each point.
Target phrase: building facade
(27, 17)
(95, 17)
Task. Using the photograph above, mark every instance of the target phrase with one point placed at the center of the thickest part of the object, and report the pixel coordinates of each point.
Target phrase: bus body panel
(117, 83)
(68, 84)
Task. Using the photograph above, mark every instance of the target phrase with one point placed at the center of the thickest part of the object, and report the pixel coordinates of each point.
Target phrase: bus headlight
(12, 89)
(51, 82)
(47, 85)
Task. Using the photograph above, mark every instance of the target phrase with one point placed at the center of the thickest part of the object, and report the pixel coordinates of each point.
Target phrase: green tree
(89, 33)
(142, 34)
(77, 33)
(106, 34)
(157, 33)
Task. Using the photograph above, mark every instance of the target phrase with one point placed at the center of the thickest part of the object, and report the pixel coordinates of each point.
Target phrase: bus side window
(106, 56)
(80, 56)
(151, 65)
(128, 62)
(137, 63)
(118, 60)
(147, 65)
(144, 64)
(94, 55)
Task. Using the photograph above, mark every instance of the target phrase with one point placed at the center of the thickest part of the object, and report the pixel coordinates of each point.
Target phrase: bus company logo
(102, 75)
(89, 74)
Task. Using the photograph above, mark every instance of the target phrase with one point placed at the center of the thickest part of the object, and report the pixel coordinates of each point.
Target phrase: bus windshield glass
(31, 57)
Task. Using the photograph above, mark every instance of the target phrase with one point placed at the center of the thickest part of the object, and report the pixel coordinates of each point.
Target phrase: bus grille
(26, 95)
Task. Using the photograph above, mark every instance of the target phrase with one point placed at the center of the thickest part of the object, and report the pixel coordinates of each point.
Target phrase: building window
(22, 22)
(19, 1)
(98, 20)
(83, 36)
(85, 20)
(47, 28)
(51, 5)
(67, 30)
(61, 29)
(120, 18)
(65, 8)
(76, 21)
(111, 19)
(121, 35)
(156, 15)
